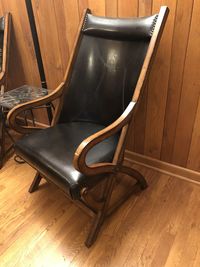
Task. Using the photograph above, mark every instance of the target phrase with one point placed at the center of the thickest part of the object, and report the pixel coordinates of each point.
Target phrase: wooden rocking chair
(86, 142)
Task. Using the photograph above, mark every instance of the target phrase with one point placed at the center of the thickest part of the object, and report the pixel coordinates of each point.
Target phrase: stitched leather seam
(153, 25)
(85, 21)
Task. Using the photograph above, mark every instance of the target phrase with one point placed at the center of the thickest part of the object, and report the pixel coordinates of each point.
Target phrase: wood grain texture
(46, 229)
(128, 8)
(190, 93)
(22, 64)
(72, 21)
(145, 7)
(194, 154)
(1, 10)
(158, 85)
(137, 136)
(163, 167)
(111, 8)
(82, 4)
(97, 7)
(47, 28)
(62, 33)
(179, 47)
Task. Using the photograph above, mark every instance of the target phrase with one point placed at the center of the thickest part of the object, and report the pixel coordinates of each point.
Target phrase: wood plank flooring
(157, 227)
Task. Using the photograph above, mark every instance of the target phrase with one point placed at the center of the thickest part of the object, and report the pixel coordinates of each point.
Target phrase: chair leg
(101, 215)
(96, 226)
(35, 183)
(135, 174)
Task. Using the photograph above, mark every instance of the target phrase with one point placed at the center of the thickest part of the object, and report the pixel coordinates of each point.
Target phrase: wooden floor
(158, 227)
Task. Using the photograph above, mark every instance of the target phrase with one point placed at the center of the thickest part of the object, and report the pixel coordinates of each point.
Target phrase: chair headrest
(119, 28)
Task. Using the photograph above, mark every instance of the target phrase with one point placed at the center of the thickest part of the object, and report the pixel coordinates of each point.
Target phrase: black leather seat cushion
(51, 152)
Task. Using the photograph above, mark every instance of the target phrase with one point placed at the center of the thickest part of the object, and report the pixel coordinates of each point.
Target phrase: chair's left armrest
(16, 111)
(82, 150)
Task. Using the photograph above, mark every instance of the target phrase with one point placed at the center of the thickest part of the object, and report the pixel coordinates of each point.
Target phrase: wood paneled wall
(22, 64)
(167, 124)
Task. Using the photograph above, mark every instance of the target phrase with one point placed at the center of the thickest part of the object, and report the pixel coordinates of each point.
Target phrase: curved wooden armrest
(13, 113)
(82, 150)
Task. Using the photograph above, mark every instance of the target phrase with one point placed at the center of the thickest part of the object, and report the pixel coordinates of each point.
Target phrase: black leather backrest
(106, 68)
(2, 27)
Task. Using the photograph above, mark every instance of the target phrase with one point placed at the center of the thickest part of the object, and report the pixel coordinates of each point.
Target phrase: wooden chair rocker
(85, 144)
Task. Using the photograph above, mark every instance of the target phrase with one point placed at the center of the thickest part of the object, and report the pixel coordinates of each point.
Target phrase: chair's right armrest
(79, 160)
(16, 111)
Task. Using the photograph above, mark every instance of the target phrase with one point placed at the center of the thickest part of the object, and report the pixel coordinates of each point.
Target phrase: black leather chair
(85, 145)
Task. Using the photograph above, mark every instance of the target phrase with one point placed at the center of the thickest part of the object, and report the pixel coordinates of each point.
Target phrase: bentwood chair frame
(99, 210)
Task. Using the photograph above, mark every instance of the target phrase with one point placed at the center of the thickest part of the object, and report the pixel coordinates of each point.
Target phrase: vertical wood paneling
(111, 8)
(97, 7)
(22, 64)
(158, 85)
(137, 132)
(136, 143)
(194, 155)
(62, 35)
(49, 41)
(1, 10)
(82, 4)
(145, 7)
(190, 92)
(72, 16)
(127, 8)
(180, 42)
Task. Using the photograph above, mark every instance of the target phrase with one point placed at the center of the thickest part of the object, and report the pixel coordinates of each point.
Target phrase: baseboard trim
(163, 167)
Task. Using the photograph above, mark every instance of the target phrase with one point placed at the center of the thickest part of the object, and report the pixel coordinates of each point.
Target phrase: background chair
(85, 145)
(8, 101)
(5, 26)
(11, 98)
